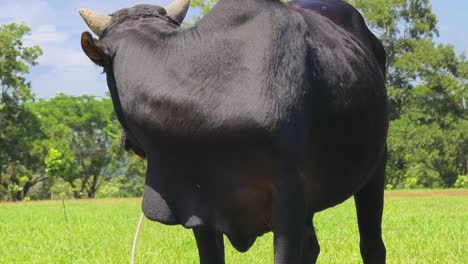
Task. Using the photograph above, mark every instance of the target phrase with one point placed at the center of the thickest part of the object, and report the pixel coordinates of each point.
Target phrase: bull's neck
(178, 60)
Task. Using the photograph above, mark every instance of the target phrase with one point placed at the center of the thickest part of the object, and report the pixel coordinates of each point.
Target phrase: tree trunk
(76, 194)
(17, 196)
(25, 191)
(93, 188)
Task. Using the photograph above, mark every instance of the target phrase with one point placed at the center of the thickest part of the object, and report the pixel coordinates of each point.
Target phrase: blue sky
(56, 27)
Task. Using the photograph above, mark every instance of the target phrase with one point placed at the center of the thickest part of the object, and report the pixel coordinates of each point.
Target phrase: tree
(20, 169)
(80, 131)
(83, 149)
(126, 169)
(427, 86)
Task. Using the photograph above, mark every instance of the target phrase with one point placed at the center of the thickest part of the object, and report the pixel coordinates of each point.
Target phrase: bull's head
(99, 23)
(119, 28)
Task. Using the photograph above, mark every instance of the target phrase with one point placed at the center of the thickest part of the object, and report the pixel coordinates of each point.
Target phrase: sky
(63, 68)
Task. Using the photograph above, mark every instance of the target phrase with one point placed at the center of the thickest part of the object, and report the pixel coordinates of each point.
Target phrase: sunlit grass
(416, 230)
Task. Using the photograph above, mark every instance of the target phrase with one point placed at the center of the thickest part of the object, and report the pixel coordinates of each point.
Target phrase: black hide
(260, 115)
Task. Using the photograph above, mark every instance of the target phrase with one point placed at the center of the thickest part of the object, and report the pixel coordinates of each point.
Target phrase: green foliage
(18, 126)
(83, 147)
(61, 189)
(23, 180)
(122, 186)
(109, 189)
(14, 189)
(462, 182)
(422, 176)
(15, 61)
(427, 85)
(80, 131)
(55, 165)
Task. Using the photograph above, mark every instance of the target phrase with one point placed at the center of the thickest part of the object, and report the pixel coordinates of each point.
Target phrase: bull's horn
(96, 22)
(178, 9)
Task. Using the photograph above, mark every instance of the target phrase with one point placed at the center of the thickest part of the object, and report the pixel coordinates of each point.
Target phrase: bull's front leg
(210, 245)
(289, 214)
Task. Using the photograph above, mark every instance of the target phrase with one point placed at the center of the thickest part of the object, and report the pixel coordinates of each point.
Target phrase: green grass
(428, 229)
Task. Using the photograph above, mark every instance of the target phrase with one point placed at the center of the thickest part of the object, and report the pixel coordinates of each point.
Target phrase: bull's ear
(95, 50)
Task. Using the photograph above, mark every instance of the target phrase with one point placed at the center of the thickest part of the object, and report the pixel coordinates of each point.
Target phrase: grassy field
(419, 227)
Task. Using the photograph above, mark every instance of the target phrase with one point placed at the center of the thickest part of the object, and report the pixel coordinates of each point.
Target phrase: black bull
(254, 119)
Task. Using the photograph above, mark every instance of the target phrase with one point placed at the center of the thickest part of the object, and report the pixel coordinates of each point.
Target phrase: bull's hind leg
(369, 206)
(311, 245)
(210, 245)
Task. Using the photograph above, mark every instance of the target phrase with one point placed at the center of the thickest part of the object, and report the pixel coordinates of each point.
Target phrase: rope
(135, 239)
(68, 230)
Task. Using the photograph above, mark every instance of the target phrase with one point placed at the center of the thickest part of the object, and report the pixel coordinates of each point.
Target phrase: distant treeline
(70, 146)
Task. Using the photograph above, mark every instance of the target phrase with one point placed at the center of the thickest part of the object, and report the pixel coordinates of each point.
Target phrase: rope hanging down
(135, 239)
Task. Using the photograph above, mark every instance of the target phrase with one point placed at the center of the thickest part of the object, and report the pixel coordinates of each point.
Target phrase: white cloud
(45, 35)
(30, 12)
(112, 6)
(64, 69)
